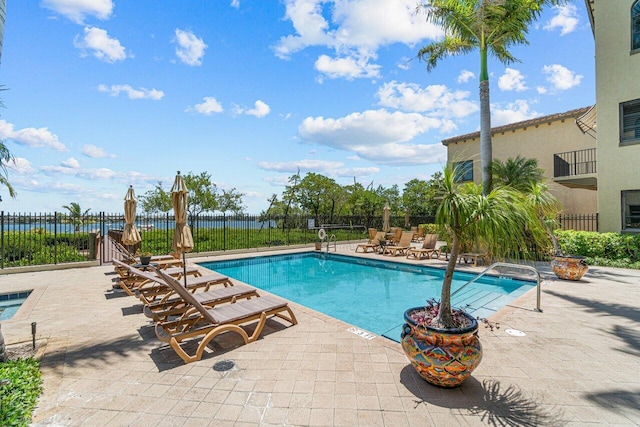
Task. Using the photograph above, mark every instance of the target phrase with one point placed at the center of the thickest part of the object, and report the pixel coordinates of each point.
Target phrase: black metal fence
(54, 238)
(578, 222)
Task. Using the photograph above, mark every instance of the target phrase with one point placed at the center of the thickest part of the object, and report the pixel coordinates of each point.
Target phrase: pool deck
(578, 364)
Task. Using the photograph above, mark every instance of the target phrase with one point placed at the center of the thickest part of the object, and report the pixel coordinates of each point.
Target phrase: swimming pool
(10, 303)
(367, 293)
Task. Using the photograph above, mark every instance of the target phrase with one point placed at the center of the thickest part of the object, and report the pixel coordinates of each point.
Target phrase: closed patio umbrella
(182, 238)
(130, 234)
(386, 213)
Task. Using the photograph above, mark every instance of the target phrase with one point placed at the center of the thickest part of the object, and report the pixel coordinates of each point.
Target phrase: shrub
(605, 249)
(18, 397)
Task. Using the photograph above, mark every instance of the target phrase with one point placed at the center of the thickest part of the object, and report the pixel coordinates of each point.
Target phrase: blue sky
(102, 94)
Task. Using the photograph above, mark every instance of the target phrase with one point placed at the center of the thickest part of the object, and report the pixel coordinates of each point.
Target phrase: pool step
(478, 303)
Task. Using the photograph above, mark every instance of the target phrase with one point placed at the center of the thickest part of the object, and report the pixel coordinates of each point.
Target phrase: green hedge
(605, 249)
(19, 395)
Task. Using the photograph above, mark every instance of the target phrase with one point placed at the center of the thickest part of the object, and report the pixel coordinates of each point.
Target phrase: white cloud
(77, 10)
(465, 76)
(235, 3)
(350, 67)
(260, 109)
(353, 30)
(102, 46)
(90, 174)
(70, 163)
(19, 165)
(377, 135)
(190, 48)
(141, 93)
(329, 168)
(566, 19)
(404, 63)
(516, 111)
(208, 107)
(31, 137)
(512, 80)
(437, 100)
(561, 77)
(95, 152)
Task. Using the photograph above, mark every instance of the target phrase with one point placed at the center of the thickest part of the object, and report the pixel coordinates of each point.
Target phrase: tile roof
(519, 125)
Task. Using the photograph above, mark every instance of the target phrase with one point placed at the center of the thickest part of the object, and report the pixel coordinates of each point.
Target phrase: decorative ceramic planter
(569, 267)
(442, 357)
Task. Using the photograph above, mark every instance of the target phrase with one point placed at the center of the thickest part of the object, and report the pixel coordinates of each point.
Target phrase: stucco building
(616, 28)
(591, 157)
(548, 139)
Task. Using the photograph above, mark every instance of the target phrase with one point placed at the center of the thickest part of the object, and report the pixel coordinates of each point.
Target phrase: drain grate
(224, 365)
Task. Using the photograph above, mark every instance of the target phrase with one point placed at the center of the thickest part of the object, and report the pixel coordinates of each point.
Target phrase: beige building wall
(540, 139)
(617, 81)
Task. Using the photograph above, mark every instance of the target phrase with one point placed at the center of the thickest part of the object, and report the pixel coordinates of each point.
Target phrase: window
(463, 170)
(630, 122)
(631, 210)
(635, 26)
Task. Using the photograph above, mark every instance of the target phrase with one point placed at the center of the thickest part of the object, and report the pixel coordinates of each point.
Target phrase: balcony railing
(571, 163)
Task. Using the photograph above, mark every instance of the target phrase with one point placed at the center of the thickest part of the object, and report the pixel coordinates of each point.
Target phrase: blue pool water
(366, 293)
(10, 303)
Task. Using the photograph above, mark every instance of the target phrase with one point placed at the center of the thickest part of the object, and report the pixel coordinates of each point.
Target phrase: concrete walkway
(578, 364)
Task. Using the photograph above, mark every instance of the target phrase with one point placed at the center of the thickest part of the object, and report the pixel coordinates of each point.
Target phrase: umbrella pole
(184, 267)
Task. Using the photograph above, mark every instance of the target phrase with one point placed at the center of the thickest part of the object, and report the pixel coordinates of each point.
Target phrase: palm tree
(491, 26)
(5, 157)
(5, 154)
(76, 216)
(518, 172)
(503, 221)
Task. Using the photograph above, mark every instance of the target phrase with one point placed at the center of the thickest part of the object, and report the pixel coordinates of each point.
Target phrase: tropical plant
(502, 221)
(490, 26)
(76, 216)
(518, 172)
(5, 157)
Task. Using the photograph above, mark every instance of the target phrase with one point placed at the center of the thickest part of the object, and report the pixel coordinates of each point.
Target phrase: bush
(19, 396)
(605, 249)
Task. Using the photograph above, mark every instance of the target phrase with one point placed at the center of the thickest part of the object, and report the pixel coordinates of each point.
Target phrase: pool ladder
(333, 239)
(503, 264)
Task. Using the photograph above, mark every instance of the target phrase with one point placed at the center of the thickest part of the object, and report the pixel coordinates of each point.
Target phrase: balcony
(576, 169)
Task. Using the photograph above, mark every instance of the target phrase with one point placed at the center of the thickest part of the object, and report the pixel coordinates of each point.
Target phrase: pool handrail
(335, 242)
(506, 264)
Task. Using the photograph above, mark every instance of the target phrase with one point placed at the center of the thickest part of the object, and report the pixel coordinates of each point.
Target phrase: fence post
(55, 237)
(224, 231)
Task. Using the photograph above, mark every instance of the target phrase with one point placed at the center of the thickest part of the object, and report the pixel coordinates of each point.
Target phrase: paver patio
(578, 364)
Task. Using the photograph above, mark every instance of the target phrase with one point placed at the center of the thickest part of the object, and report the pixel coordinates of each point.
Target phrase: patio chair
(395, 235)
(130, 258)
(402, 247)
(209, 290)
(372, 234)
(374, 244)
(205, 324)
(419, 235)
(129, 281)
(154, 290)
(428, 249)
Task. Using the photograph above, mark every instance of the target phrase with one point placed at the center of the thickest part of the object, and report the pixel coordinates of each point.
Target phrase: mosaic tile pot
(442, 357)
(569, 267)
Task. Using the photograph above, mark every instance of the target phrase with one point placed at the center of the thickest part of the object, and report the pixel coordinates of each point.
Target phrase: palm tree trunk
(445, 319)
(485, 137)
